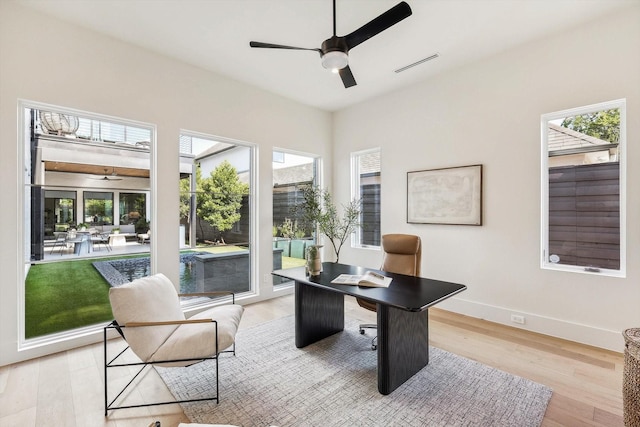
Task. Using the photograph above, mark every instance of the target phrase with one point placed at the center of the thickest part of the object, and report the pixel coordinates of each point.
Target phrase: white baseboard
(597, 337)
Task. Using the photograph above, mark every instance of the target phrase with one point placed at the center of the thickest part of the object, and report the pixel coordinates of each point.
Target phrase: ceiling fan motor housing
(334, 53)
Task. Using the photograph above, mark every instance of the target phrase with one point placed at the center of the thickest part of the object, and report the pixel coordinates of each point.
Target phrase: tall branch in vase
(318, 210)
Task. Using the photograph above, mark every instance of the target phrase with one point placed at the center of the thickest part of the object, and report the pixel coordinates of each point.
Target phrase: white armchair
(148, 316)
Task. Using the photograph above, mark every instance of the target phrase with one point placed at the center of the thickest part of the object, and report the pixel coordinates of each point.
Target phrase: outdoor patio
(94, 250)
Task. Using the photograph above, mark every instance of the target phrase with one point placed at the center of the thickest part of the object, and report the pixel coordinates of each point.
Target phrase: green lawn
(64, 295)
(72, 294)
(288, 262)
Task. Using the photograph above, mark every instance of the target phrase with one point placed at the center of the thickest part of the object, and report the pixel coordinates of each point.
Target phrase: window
(98, 207)
(365, 176)
(59, 211)
(81, 171)
(291, 172)
(583, 189)
(217, 214)
(133, 208)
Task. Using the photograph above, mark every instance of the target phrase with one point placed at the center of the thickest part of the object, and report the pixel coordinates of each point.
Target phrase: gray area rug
(334, 383)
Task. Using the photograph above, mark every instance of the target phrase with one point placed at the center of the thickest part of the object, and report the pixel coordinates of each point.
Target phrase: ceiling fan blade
(391, 17)
(106, 178)
(347, 77)
(279, 46)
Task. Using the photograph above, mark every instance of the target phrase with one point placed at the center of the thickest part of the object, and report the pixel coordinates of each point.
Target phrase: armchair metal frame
(112, 363)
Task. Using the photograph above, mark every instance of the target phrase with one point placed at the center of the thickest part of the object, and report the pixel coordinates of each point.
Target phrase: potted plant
(313, 261)
(318, 209)
(115, 230)
(82, 226)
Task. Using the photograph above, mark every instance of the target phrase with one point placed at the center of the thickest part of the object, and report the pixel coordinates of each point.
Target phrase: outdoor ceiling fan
(112, 177)
(334, 52)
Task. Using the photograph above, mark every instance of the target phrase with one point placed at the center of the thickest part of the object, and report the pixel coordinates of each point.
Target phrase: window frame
(56, 202)
(356, 238)
(185, 148)
(316, 160)
(86, 198)
(545, 264)
(123, 203)
(76, 335)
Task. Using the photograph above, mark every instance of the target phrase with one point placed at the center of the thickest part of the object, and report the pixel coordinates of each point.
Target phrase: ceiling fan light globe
(335, 60)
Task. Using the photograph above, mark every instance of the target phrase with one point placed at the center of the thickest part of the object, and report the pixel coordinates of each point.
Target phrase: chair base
(374, 345)
(96, 245)
(113, 364)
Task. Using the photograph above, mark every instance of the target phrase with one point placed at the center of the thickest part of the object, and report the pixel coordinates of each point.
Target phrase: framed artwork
(445, 196)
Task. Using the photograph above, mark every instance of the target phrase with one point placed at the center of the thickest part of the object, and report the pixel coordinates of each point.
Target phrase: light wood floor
(66, 389)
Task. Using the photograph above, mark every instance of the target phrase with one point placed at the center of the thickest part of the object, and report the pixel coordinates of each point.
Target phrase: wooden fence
(584, 214)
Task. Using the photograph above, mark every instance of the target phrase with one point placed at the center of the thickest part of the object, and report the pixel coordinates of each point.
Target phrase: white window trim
(254, 203)
(77, 336)
(544, 187)
(356, 237)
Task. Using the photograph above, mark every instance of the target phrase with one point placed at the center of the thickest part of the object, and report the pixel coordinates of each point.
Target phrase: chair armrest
(168, 322)
(204, 294)
(210, 294)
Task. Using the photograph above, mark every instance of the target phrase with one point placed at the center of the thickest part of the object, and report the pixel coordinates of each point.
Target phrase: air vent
(422, 61)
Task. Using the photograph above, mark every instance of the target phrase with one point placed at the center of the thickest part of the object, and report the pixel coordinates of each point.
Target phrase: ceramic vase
(313, 260)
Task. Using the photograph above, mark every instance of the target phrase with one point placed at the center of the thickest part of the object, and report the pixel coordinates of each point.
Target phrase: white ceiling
(215, 35)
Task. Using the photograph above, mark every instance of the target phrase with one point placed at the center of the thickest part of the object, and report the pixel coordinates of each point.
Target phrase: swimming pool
(121, 271)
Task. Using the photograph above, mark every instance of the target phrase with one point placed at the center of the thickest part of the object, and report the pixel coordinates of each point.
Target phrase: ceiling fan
(334, 52)
(107, 177)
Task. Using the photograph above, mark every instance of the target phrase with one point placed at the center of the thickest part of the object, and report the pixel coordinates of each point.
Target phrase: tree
(185, 197)
(603, 124)
(188, 199)
(220, 197)
(317, 208)
(186, 193)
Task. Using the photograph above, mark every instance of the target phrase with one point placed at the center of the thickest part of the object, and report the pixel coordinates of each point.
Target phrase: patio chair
(144, 237)
(148, 316)
(61, 241)
(101, 239)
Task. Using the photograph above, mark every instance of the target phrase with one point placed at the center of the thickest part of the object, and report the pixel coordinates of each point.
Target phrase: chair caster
(361, 331)
(374, 347)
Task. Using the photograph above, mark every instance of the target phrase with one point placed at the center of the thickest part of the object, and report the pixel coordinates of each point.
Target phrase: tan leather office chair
(402, 255)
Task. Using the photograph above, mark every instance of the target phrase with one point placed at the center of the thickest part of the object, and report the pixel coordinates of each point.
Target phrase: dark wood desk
(402, 308)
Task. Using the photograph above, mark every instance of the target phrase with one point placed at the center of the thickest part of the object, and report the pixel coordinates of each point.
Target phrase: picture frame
(445, 196)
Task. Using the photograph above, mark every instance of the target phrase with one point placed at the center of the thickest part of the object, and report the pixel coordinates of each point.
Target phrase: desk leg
(403, 346)
(319, 314)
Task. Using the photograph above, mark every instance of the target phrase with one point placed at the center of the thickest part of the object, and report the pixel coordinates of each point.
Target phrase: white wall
(489, 113)
(45, 60)
(485, 113)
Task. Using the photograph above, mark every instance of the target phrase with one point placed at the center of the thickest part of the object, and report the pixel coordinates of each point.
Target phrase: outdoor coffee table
(117, 239)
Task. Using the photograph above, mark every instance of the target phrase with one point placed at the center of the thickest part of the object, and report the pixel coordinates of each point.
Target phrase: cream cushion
(154, 299)
(196, 340)
(148, 299)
